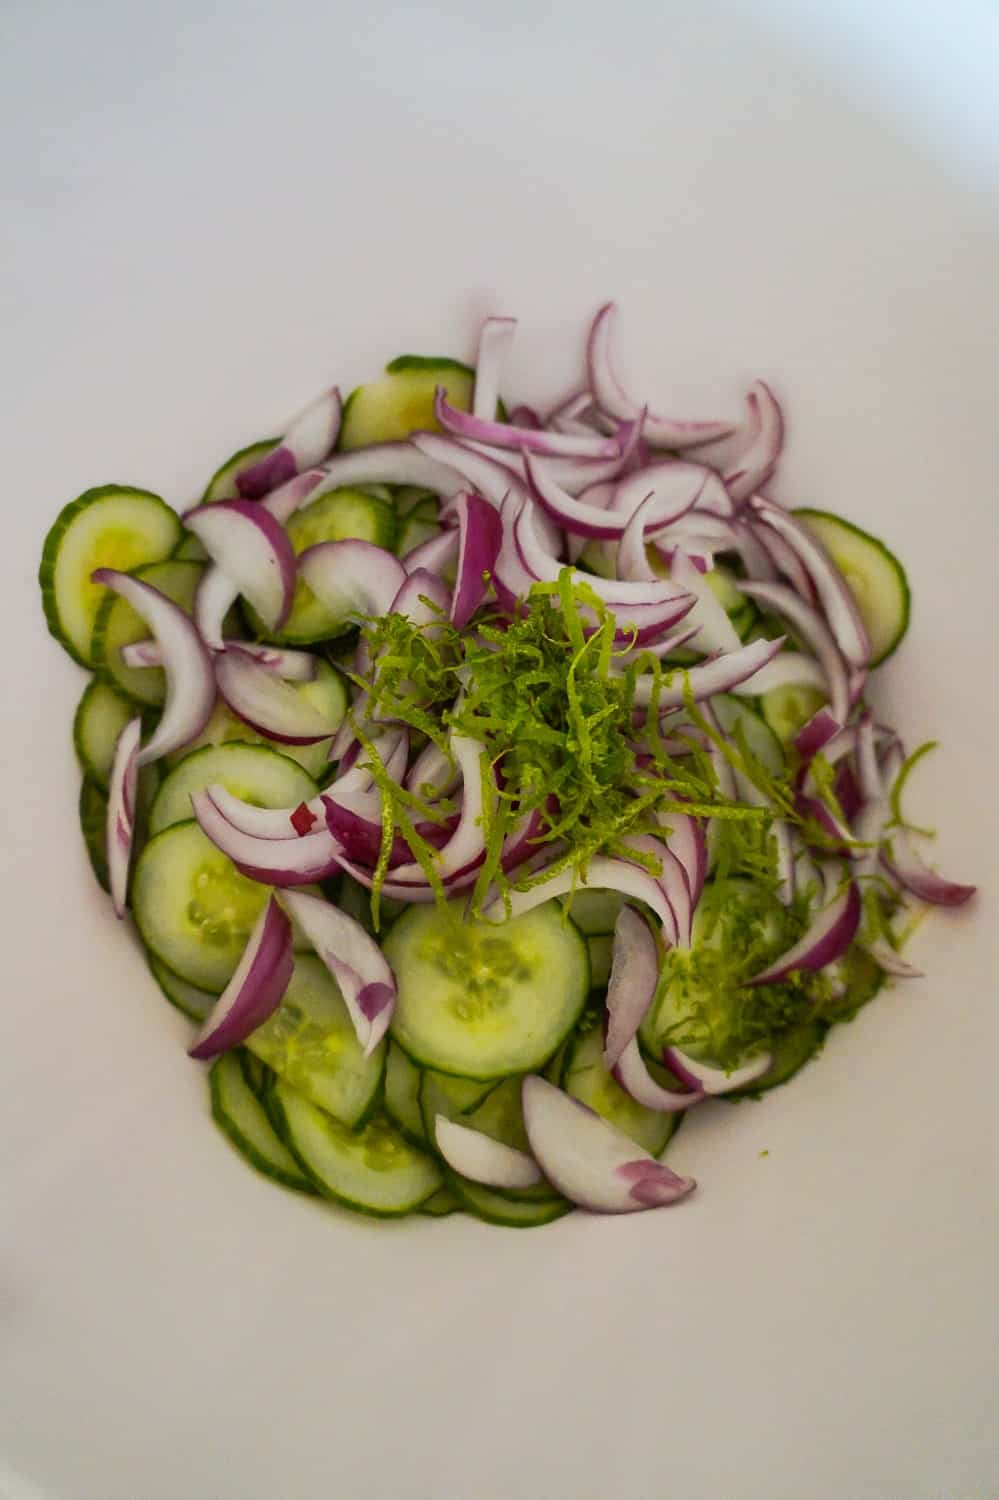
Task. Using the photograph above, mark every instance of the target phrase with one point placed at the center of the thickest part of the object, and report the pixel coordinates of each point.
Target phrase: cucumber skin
(805, 513)
(544, 1212)
(50, 550)
(242, 458)
(246, 1148)
(87, 766)
(406, 362)
(93, 813)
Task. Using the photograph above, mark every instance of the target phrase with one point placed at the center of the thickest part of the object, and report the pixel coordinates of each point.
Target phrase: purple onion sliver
(827, 939)
(256, 988)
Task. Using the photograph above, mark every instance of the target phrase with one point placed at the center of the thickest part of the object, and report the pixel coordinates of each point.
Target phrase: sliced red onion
(308, 440)
(632, 558)
(723, 675)
(480, 533)
(838, 603)
(432, 768)
(784, 560)
(265, 822)
(611, 397)
(466, 846)
(785, 861)
(424, 599)
(256, 988)
(673, 487)
(522, 439)
(715, 631)
(569, 415)
(355, 961)
(603, 873)
(281, 862)
(673, 882)
(789, 669)
(758, 459)
(890, 962)
(252, 550)
(120, 824)
(482, 1159)
(577, 475)
(816, 734)
(660, 649)
(684, 491)
(269, 705)
(292, 666)
(392, 463)
(493, 480)
(636, 1080)
(810, 626)
(436, 554)
(869, 772)
(685, 839)
(589, 1161)
(632, 984)
(525, 416)
(190, 680)
(352, 577)
(827, 939)
(709, 1080)
(495, 338)
(906, 867)
(757, 561)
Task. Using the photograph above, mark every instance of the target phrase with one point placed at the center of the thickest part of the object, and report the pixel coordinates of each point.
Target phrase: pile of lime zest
(561, 733)
(898, 818)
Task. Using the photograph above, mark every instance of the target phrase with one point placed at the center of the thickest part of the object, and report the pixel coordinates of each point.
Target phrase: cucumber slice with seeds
(586, 1079)
(309, 1041)
(117, 624)
(789, 709)
(402, 402)
(100, 717)
(254, 773)
(114, 526)
(373, 1170)
(222, 485)
(241, 1117)
(402, 1095)
(875, 577)
(482, 999)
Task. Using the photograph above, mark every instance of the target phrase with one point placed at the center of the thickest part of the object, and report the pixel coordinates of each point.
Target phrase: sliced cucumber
(416, 528)
(402, 402)
(595, 912)
(189, 549)
(482, 999)
(733, 714)
(497, 1114)
(254, 773)
(495, 1208)
(93, 808)
(309, 1041)
(454, 1098)
(863, 979)
(875, 577)
(402, 1095)
(117, 624)
(790, 1054)
(440, 1204)
(110, 527)
(334, 517)
(102, 714)
(789, 709)
(356, 902)
(373, 1170)
(241, 1117)
(222, 485)
(586, 1079)
(601, 950)
(187, 998)
(327, 692)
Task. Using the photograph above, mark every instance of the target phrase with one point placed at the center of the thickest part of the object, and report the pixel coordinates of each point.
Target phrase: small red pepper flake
(302, 820)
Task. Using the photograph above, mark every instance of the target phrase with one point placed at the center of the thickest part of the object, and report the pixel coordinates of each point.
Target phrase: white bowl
(211, 212)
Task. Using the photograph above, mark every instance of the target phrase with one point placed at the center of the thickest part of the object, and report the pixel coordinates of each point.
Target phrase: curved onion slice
(723, 675)
(589, 1161)
(783, 559)
(632, 984)
(267, 822)
(282, 862)
(634, 1077)
(482, 1159)
(709, 1080)
(391, 463)
(432, 768)
(308, 440)
(267, 704)
(904, 865)
(685, 839)
(480, 535)
(632, 558)
(603, 873)
(683, 490)
(355, 961)
(352, 577)
(674, 489)
(121, 812)
(293, 666)
(789, 669)
(424, 598)
(254, 992)
(190, 680)
(495, 338)
(486, 475)
(890, 962)
(524, 416)
(715, 631)
(808, 624)
(837, 601)
(611, 397)
(466, 846)
(827, 939)
(253, 551)
(758, 459)
(816, 734)
(522, 439)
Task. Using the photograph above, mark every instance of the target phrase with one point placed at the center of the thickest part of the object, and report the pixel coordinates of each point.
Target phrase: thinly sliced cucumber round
(93, 809)
(327, 693)
(402, 1095)
(187, 998)
(790, 1054)
(222, 485)
(440, 1204)
(254, 773)
(586, 1079)
(402, 402)
(724, 584)
(334, 517)
(595, 912)
(414, 530)
(789, 709)
(189, 549)
(863, 979)
(601, 951)
(482, 999)
(241, 1117)
(874, 574)
(454, 1098)
(373, 1170)
(762, 742)
(110, 527)
(102, 714)
(117, 624)
(497, 1113)
(193, 908)
(495, 1208)
(309, 1041)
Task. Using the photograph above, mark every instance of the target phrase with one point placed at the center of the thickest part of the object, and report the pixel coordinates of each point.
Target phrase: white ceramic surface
(210, 210)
